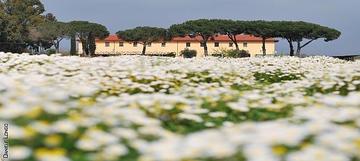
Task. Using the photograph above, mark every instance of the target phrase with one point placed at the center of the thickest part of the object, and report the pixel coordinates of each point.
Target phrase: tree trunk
(206, 52)
(56, 43)
(144, 49)
(92, 44)
(39, 48)
(84, 47)
(205, 38)
(291, 48)
(299, 46)
(298, 49)
(73, 45)
(57, 46)
(233, 39)
(237, 46)
(264, 46)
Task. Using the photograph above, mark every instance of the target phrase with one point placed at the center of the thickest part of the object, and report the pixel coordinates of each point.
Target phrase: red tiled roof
(220, 38)
(112, 38)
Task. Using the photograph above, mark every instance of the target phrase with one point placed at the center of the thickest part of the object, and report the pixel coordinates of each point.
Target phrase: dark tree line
(18, 18)
(294, 32)
(25, 27)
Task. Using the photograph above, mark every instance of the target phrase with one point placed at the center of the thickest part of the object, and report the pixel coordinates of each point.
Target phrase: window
(245, 44)
(188, 44)
(217, 44)
(149, 44)
(121, 44)
(135, 44)
(202, 44)
(231, 44)
(163, 44)
(107, 44)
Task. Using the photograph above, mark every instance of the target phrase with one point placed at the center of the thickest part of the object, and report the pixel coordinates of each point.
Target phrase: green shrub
(217, 55)
(244, 53)
(172, 54)
(232, 53)
(187, 53)
(221, 52)
(51, 51)
(237, 54)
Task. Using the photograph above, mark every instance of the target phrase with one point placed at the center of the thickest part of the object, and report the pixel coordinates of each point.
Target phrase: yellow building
(113, 45)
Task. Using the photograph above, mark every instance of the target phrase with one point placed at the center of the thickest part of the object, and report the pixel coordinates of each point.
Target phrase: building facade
(114, 45)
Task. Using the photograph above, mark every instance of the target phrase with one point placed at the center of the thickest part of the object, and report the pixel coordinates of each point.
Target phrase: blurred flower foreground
(132, 108)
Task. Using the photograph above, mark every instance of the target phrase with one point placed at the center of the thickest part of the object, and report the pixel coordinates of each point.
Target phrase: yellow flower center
(34, 112)
(279, 150)
(29, 132)
(43, 152)
(85, 101)
(53, 140)
(357, 143)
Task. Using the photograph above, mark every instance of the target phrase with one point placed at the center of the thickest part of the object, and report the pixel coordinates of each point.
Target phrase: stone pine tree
(97, 32)
(143, 35)
(54, 32)
(284, 28)
(298, 31)
(315, 32)
(204, 28)
(72, 34)
(80, 30)
(232, 29)
(263, 29)
(37, 42)
(21, 16)
(46, 34)
(91, 43)
(87, 33)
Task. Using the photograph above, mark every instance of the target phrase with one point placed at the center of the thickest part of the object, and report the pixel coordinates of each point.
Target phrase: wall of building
(254, 48)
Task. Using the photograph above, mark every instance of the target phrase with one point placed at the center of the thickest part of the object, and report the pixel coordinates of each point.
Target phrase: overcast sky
(123, 14)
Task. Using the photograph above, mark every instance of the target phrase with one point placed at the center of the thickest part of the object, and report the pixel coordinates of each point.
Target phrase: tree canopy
(292, 31)
(231, 28)
(87, 32)
(298, 31)
(54, 32)
(23, 26)
(204, 28)
(18, 17)
(144, 35)
(263, 29)
(3, 33)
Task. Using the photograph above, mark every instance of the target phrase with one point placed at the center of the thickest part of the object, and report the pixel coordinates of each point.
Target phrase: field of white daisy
(132, 108)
